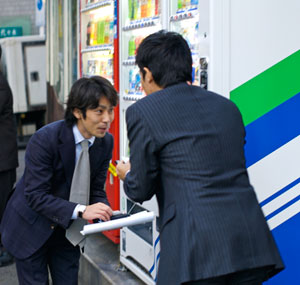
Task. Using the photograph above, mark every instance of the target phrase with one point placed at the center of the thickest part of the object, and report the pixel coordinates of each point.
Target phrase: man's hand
(97, 211)
(122, 168)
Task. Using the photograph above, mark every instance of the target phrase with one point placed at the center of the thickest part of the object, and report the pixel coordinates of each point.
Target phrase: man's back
(210, 221)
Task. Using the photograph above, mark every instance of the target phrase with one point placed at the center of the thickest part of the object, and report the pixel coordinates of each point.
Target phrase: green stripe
(269, 89)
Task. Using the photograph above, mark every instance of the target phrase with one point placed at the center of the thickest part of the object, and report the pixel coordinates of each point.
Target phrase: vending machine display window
(99, 55)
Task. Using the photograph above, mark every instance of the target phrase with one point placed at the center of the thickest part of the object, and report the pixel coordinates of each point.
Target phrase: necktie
(80, 193)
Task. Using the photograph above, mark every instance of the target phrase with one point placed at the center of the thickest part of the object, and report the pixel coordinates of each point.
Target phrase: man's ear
(148, 75)
(77, 113)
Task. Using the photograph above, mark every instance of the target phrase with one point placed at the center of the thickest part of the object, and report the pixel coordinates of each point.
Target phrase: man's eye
(100, 111)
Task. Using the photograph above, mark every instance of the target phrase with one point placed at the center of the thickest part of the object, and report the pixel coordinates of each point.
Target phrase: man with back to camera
(40, 214)
(187, 148)
(8, 153)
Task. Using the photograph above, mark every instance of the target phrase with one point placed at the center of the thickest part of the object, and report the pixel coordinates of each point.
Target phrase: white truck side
(24, 65)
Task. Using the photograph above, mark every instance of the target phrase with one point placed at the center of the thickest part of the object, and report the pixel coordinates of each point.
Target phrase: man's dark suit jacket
(40, 202)
(8, 136)
(187, 147)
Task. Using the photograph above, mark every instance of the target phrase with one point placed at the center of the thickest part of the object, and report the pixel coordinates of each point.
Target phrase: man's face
(97, 121)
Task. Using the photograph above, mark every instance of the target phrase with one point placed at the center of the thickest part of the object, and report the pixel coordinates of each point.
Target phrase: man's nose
(106, 116)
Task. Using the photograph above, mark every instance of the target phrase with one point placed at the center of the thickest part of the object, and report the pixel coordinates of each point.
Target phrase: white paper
(138, 218)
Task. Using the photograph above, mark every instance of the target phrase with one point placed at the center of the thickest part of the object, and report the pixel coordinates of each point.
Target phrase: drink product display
(133, 45)
(186, 4)
(135, 86)
(100, 64)
(189, 28)
(100, 32)
(194, 3)
(138, 9)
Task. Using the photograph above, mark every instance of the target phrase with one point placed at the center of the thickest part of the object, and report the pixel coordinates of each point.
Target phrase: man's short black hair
(168, 56)
(86, 93)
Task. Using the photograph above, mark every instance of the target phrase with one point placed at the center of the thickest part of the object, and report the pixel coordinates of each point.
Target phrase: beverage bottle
(88, 34)
(152, 12)
(130, 6)
(131, 46)
(131, 80)
(137, 9)
(111, 31)
(92, 34)
(131, 9)
(137, 83)
(101, 31)
(157, 8)
(98, 32)
(194, 3)
(138, 41)
(187, 4)
(149, 8)
(106, 30)
(179, 4)
(144, 7)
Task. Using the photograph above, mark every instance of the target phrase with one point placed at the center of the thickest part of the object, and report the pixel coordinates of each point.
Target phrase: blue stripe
(287, 237)
(283, 208)
(284, 189)
(272, 130)
(152, 267)
(155, 244)
(157, 258)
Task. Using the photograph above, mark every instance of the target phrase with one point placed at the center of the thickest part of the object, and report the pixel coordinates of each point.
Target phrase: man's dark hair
(168, 56)
(86, 93)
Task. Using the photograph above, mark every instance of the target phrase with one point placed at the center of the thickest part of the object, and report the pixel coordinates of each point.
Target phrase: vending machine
(99, 55)
(253, 49)
(139, 245)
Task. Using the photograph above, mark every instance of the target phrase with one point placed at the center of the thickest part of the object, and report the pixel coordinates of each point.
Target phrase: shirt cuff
(75, 212)
(127, 173)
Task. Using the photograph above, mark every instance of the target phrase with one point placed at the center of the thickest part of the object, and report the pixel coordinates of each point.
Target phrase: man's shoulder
(52, 127)
(52, 131)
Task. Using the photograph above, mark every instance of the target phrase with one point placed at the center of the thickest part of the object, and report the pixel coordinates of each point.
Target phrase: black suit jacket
(187, 147)
(41, 200)
(8, 138)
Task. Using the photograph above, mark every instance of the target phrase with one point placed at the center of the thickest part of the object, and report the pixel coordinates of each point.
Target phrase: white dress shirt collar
(79, 137)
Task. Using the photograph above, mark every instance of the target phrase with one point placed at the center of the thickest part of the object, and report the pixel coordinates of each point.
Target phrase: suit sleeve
(141, 182)
(98, 193)
(38, 176)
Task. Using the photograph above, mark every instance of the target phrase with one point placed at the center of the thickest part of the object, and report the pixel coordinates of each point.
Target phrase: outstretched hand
(122, 169)
(97, 211)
